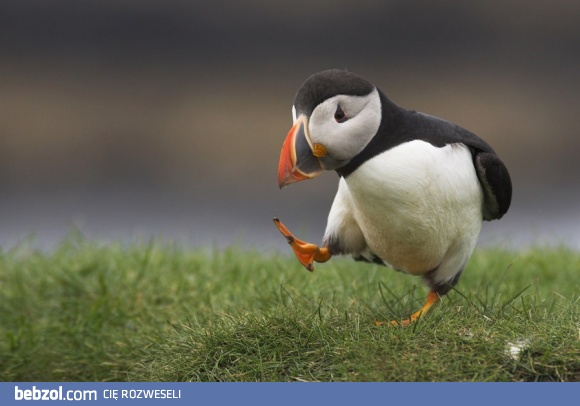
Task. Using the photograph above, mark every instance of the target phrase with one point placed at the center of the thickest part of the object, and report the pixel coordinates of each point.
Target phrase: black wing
(492, 173)
(496, 183)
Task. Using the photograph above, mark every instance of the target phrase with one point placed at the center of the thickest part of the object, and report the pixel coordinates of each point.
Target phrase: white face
(344, 125)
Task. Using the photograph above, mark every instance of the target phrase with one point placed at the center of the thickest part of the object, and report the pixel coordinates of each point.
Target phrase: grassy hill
(158, 312)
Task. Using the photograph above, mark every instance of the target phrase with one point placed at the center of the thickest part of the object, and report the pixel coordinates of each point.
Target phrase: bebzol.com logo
(53, 394)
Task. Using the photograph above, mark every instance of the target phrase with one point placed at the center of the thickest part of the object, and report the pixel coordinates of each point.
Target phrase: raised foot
(432, 298)
(305, 252)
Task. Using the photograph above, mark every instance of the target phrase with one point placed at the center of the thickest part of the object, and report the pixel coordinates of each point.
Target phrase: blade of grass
(514, 297)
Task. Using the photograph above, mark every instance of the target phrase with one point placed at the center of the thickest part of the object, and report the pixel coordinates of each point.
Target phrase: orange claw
(305, 252)
(432, 298)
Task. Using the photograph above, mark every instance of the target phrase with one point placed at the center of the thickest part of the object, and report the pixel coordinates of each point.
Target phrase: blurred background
(131, 119)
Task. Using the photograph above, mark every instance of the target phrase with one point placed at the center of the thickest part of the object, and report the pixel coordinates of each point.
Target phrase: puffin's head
(336, 114)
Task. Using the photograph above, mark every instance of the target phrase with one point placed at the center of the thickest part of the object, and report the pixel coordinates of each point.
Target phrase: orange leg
(305, 252)
(432, 298)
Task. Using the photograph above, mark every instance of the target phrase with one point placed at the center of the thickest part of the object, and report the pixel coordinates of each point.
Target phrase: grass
(157, 312)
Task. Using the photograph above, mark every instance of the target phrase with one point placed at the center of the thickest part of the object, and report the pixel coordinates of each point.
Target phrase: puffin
(413, 189)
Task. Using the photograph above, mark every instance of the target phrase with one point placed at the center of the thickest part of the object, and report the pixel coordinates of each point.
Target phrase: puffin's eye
(339, 115)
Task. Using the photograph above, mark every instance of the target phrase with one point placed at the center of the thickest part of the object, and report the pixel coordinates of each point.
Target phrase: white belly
(419, 206)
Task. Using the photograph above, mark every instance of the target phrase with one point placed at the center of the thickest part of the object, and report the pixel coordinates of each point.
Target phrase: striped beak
(297, 160)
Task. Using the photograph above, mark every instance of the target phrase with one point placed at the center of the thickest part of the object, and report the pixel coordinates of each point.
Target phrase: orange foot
(432, 298)
(305, 252)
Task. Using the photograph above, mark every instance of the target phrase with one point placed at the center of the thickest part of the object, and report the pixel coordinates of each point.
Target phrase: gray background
(135, 119)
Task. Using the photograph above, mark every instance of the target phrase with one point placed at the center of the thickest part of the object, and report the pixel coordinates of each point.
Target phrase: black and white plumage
(413, 189)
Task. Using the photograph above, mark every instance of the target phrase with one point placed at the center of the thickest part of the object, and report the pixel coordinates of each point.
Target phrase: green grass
(157, 312)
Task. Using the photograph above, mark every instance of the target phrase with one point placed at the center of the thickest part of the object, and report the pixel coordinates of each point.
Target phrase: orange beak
(297, 161)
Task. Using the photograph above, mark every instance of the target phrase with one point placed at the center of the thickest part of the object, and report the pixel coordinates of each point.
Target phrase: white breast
(419, 206)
